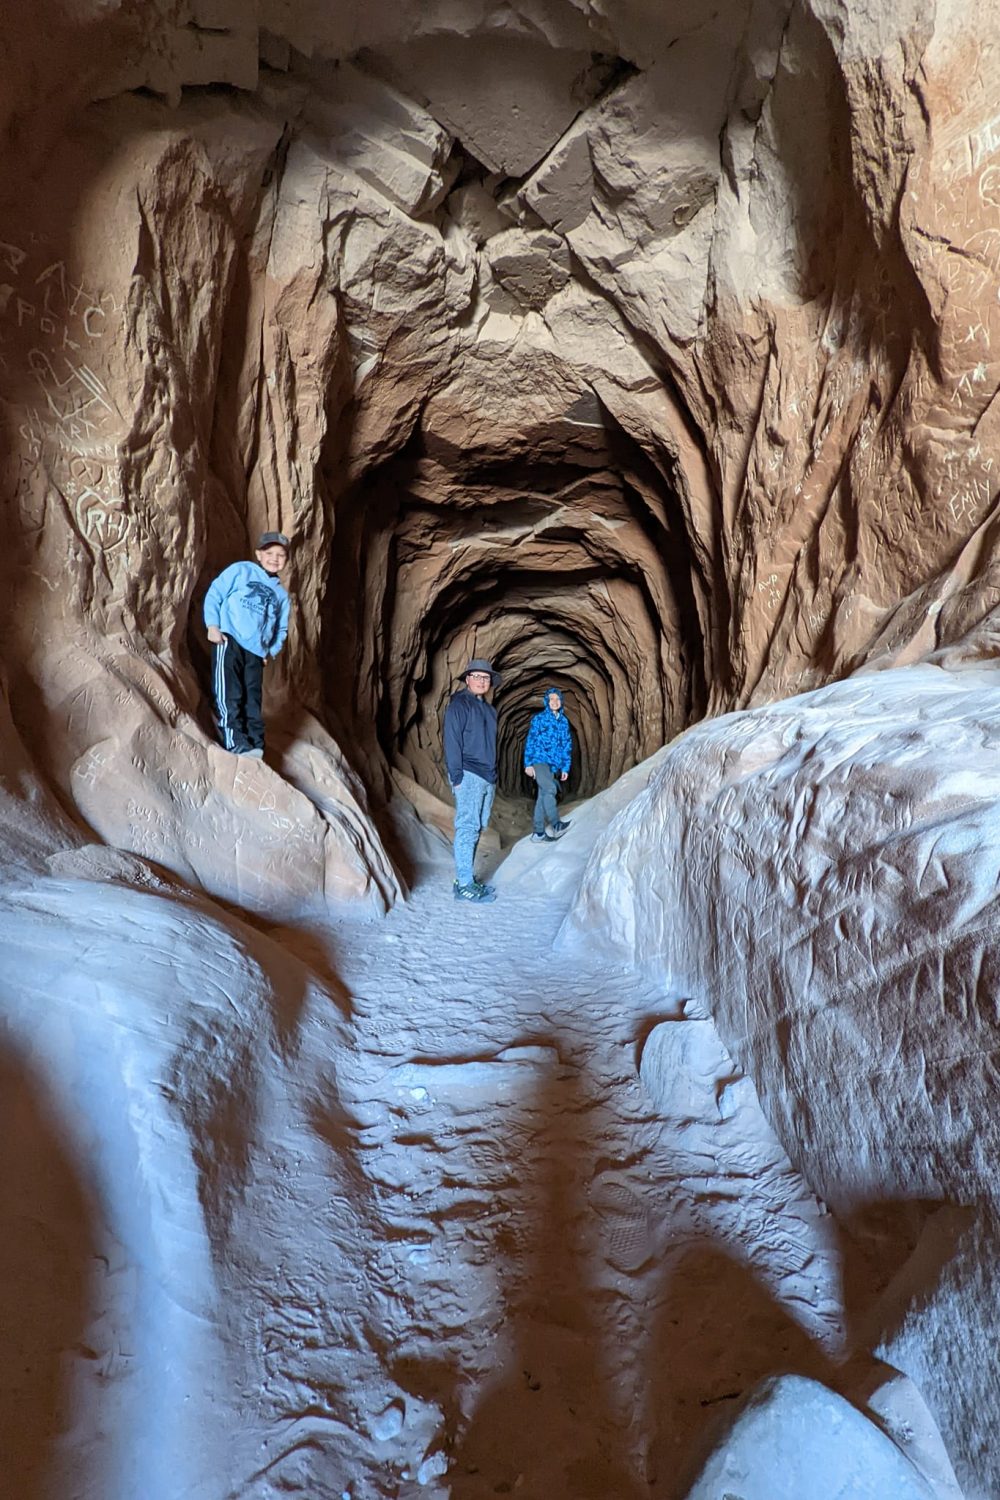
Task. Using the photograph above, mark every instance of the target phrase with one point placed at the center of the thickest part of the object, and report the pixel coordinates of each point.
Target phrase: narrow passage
(573, 1267)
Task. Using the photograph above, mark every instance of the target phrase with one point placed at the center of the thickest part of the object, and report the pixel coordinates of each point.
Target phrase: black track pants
(237, 680)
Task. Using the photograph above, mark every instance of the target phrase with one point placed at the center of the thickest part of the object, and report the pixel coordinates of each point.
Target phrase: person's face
(555, 702)
(272, 559)
(478, 683)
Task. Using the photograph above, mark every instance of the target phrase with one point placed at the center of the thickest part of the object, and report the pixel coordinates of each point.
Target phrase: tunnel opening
(562, 557)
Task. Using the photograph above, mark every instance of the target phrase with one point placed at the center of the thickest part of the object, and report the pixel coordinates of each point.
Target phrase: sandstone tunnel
(559, 553)
(544, 336)
(648, 348)
(517, 508)
(481, 316)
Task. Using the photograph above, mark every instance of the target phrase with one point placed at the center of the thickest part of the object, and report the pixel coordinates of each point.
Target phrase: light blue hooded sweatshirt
(250, 605)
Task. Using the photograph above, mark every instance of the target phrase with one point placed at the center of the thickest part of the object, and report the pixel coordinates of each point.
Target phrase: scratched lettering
(989, 187)
(984, 142)
(12, 257)
(89, 768)
(102, 519)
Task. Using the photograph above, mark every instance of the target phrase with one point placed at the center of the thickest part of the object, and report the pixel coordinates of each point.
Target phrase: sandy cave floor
(567, 1270)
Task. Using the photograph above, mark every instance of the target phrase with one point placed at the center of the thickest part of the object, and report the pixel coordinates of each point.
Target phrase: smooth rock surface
(821, 877)
(793, 1438)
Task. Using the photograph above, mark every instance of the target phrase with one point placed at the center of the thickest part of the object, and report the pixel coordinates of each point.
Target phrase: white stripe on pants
(219, 683)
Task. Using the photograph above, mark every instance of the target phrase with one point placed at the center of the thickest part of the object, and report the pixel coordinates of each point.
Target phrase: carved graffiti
(66, 322)
(984, 142)
(103, 520)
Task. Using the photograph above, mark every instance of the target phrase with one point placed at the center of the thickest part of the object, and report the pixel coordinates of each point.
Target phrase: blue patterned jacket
(549, 741)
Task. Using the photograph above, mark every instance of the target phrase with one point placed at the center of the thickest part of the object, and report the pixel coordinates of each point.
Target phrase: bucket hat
(479, 664)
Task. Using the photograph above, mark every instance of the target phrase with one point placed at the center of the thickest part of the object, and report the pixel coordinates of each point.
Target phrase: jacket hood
(548, 693)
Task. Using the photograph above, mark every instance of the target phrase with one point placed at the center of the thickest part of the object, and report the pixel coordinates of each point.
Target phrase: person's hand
(563, 775)
(530, 771)
(215, 635)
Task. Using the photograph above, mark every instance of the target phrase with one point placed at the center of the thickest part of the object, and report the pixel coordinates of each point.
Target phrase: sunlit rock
(794, 1438)
(823, 876)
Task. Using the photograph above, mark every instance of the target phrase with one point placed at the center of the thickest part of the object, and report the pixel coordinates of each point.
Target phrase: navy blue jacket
(470, 737)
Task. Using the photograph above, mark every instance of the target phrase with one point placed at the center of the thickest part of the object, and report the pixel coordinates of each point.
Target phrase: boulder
(791, 1438)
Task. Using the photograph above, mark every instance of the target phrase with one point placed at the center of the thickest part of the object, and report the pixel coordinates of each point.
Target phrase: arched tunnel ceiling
(558, 551)
(633, 360)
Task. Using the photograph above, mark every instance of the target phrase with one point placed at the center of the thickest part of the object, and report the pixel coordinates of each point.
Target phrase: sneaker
(479, 885)
(252, 754)
(472, 892)
(558, 829)
(542, 838)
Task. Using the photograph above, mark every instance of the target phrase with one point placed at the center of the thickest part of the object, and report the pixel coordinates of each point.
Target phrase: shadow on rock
(722, 1338)
(894, 1255)
(548, 1423)
(314, 966)
(718, 1332)
(47, 1250)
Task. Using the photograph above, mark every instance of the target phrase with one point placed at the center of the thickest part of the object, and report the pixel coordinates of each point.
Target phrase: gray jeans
(545, 798)
(473, 805)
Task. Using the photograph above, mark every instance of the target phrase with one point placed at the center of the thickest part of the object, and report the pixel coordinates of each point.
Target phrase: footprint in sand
(626, 1242)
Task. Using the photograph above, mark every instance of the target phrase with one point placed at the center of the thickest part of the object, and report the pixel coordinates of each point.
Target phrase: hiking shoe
(480, 885)
(558, 829)
(472, 892)
(542, 838)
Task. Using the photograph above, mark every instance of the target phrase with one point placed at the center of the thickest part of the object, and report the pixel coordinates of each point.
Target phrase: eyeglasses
(480, 677)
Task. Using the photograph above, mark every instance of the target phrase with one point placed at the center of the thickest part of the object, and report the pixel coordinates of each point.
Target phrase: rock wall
(822, 874)
(649, 351)
(135, 326)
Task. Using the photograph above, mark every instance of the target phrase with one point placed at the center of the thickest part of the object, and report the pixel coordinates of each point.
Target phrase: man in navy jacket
(470, 756)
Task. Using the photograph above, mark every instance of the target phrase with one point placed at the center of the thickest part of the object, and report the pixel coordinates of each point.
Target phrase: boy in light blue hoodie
(246, 615)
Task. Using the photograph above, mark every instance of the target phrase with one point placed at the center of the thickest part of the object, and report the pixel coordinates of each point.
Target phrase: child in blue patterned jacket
(246, 615)
(548, 753)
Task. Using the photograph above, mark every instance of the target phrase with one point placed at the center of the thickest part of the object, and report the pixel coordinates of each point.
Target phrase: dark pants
(545, 798)
(237, 680)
